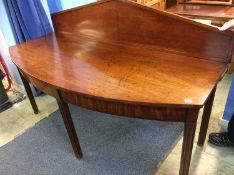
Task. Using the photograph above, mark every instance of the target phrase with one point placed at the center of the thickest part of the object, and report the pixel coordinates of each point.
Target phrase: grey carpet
(111, 145)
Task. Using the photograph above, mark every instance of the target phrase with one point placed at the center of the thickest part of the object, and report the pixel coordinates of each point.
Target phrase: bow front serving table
(121, 58)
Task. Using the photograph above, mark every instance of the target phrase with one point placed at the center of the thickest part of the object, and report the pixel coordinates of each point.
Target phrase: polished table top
(118, 70)
(121, 58)
(153, 58)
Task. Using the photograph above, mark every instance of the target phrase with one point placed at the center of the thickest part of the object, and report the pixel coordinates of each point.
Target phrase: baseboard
(5, 106)
(223, 123)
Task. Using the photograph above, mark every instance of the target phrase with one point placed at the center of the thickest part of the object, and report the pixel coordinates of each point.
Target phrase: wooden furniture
(210, 2)
(218, 14)
(154, 65)
(231, 66)
(202, 11)
(215, 10)
(158, 4)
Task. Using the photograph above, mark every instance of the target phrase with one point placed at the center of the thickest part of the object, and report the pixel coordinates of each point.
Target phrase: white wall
(46, 7)
(5, 25)
(7, 40)
(67, 4)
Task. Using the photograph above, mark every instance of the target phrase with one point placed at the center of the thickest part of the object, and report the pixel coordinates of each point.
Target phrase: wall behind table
(7, 39)
(59, 5)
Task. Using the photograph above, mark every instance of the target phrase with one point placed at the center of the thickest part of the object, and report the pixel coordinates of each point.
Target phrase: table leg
(206, 118)
(189, 132)
(29, 93)
(66, 115)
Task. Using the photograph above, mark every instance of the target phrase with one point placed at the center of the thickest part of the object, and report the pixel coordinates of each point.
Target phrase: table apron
(162, 113)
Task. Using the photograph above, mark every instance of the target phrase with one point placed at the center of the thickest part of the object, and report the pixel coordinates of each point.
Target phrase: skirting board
(223, 123)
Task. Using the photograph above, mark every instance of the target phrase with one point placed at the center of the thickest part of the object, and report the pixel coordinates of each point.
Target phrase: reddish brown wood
(153, 65)
(153, 112)
(211, 2)
(104, 71)
(103, 26)
(206, 118)
(29, 93)
(82, 20)
(44, 87)
(170, 3)
(64, 109)
(213, 12)
(187, 37)
(189, 132)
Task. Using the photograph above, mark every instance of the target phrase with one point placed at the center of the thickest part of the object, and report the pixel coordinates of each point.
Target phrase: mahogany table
(122, 58)
(204, 11)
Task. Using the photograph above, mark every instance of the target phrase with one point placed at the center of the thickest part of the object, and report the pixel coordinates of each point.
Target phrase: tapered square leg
(189, 132)
(29, 93)
(206, 118)
(65, 112)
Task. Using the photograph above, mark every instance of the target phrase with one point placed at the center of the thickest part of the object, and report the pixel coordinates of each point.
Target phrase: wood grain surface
(218, 12)
(118, 71)
(106, 56)
(122, 58)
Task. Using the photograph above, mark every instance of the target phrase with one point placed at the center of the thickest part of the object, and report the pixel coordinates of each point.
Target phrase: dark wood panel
(217, 12)
(154, 27)
(126, 109)
(170, 3)
(118, 20)
(96, 19)
(211, 2)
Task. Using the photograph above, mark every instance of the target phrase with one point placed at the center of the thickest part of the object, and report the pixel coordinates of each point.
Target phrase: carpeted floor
(111, 146)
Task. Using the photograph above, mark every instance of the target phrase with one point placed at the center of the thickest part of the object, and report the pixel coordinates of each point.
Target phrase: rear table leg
(29, 93)
(64, 109)
(206, 118)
